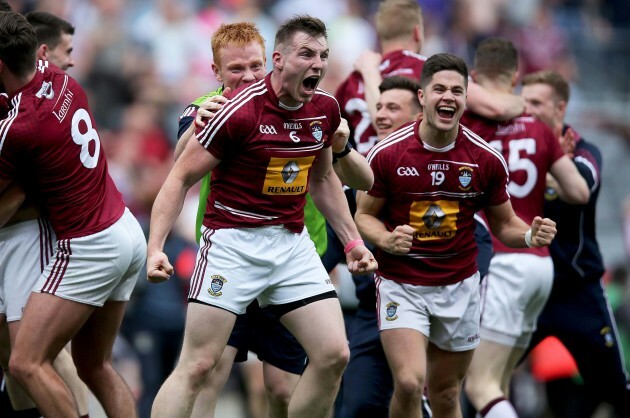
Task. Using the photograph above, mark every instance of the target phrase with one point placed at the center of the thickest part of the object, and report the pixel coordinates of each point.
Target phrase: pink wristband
(350, 245)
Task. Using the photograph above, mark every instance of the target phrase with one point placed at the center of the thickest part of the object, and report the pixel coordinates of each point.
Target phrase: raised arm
(514, 232)
(188, 170)
(350, 166)
(570, 185)
(329, 198)
(493, 105)
(368, 64)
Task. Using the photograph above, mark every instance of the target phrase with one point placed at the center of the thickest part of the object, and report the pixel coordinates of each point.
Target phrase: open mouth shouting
(446, 113)
(310, 84)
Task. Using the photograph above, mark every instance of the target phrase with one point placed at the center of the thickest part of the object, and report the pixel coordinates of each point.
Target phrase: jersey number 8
(84, 138)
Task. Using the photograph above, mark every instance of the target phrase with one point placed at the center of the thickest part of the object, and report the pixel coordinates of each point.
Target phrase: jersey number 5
(84, 138)
(516, 162)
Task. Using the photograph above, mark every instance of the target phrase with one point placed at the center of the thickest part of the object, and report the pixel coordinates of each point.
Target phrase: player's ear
(42, 52)
(217, 73)
(421, 97)
(278, 59)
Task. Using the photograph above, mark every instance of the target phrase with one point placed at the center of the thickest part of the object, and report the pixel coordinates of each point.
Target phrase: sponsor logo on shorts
(473, 338)
(609, 340)
(390, 311)
(216, 284)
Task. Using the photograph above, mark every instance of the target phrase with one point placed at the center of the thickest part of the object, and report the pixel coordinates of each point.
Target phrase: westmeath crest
(390, 310)
(465, 177)
(316, 130)
(216, 284)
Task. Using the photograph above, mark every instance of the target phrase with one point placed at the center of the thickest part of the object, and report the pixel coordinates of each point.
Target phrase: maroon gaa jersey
(351, 95)
(266, 151)
(437, 192)
(530, 149)
(49, 139)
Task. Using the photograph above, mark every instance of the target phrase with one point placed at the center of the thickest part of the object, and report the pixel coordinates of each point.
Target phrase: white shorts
(99, 267)
(513, 296)
(237, 265)
(25, 248)
(447, 315)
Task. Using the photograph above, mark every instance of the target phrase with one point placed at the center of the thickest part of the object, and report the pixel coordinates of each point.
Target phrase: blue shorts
(260, 331)
(581, 318)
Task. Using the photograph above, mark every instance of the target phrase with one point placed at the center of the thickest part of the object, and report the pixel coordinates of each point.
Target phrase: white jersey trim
(243, 213)
(393, 138)
(5, 125)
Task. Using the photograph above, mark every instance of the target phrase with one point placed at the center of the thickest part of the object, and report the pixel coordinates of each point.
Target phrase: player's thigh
(47, 325)
(319, 328)
(405, 350)
(489, 361)
(94, 342)
(446, 369)
(206, 333)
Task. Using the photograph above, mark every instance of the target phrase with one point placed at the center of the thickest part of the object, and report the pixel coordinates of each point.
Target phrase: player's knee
(197, 372)
(279, 394)
(409, 388)
(445, 399)
(21, 369)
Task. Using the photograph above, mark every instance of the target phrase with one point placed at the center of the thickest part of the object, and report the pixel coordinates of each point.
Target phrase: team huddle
(453, 235)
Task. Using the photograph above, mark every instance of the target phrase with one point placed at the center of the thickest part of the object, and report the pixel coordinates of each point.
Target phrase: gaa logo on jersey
(216, 284)
(550, 194)
(390, 311)
(316, 129)
(465, 177)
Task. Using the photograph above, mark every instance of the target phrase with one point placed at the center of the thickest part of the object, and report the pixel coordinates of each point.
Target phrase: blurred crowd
(143, 61)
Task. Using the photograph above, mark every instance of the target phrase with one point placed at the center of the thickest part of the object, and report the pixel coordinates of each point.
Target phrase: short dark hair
(443, 62)
(5, 7)
(551, 78)
(49, 28)
(496, 56)
(398, 82)
(18, 43)
(312, 26)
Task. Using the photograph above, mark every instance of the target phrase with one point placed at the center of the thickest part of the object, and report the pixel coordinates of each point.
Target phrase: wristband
(343, 153)
(350, 245)
(528, 238)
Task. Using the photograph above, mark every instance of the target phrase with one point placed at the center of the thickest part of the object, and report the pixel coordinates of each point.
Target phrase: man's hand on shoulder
(210, 107)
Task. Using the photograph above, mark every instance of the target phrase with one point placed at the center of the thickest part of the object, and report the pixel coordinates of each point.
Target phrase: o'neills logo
(65, 105)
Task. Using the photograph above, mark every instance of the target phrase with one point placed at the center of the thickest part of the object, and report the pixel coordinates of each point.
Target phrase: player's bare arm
(370, 226)
(570, 185)
(11, 198)
(351, 167)
(368, 64)
(206, 112)
(329, 198)
(494, 105)
(514, 232)
(188, 170)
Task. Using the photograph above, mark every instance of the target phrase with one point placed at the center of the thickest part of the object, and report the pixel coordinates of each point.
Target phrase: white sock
(501, 409)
